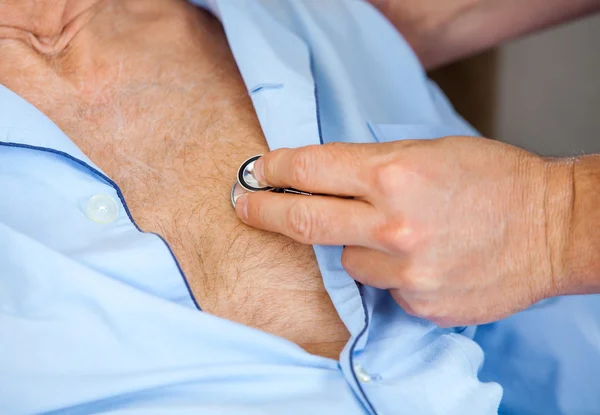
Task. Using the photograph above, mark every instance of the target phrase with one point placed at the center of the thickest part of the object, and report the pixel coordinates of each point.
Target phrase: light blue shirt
(97, 317)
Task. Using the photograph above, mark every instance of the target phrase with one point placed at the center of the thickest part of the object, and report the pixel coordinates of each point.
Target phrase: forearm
(443, 31)
(583, 254)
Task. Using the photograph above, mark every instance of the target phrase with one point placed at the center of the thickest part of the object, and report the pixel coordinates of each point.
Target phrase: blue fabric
(99, 318)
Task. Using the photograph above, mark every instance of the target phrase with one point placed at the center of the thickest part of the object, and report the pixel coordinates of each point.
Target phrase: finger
(373, 268)
(341, 169)
(310, 219)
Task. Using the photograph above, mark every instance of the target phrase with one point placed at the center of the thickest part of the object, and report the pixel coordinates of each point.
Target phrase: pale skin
(460, 230)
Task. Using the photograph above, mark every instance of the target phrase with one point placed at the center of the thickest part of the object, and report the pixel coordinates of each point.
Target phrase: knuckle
(390, 179)
(255, 210)
(270, 161)
(303, 165)
(261, 214)
(396, 237)
(302, 223)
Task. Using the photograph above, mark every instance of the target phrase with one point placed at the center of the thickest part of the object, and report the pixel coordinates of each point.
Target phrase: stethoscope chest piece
(246, 182)
(246, 177)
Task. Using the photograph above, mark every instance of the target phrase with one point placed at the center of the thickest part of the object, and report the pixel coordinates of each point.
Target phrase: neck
(47, 25)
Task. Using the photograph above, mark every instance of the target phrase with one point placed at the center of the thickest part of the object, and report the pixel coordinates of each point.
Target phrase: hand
(460, 230)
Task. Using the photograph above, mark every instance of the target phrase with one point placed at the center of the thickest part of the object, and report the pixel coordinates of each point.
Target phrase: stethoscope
(246, 182)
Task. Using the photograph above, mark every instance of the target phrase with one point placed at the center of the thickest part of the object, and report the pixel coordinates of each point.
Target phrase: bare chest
(171, 127)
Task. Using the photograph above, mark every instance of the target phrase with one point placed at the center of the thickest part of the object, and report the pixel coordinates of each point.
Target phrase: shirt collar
(284, 98)
(22, 124)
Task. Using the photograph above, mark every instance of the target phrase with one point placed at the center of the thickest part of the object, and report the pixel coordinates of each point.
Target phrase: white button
(102, 209)
(361, 374)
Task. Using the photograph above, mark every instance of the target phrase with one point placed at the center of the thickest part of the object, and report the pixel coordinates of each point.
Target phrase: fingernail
(259, 171)
(241, 207)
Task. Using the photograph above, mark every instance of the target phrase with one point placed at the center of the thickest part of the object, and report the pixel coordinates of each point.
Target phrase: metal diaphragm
(246, 177)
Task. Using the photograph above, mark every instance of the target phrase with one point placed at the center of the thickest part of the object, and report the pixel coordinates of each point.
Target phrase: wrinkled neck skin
(47, 25)
(150, 92)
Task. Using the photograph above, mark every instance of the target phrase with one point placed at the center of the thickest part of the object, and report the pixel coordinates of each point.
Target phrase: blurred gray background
(541, 92)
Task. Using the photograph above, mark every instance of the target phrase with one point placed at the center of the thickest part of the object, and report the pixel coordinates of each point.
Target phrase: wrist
(558, 211)
(582, 270)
